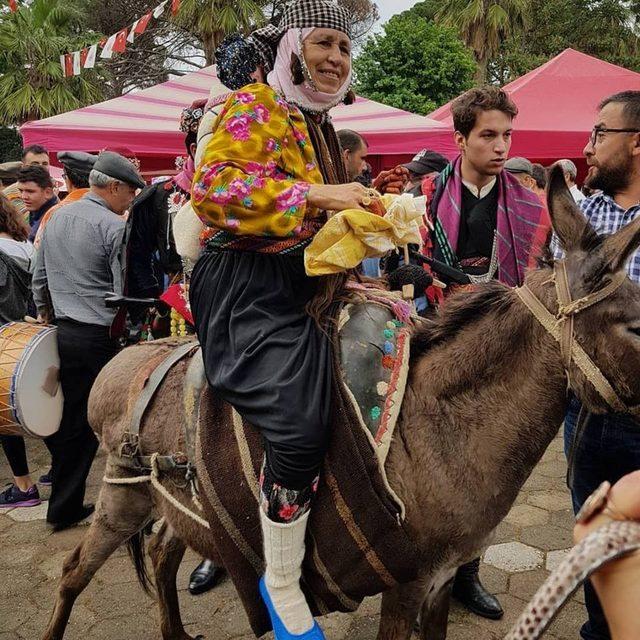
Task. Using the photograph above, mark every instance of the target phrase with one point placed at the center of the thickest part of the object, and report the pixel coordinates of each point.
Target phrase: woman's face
(327, 53)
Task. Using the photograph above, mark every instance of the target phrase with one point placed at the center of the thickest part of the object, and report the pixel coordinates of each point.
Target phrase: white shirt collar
(480, 193)
(576, 193)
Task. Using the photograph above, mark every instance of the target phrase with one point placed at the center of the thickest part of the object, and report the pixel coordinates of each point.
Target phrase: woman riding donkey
(271, 170)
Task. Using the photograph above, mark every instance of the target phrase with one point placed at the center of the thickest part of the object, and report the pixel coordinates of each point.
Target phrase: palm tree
(32, 83)
(483, 24)
(211, 20)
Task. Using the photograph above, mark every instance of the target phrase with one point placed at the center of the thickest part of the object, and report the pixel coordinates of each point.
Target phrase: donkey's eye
(635, 330)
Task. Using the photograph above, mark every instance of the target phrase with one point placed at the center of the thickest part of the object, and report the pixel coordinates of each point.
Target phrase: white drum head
(37, 411)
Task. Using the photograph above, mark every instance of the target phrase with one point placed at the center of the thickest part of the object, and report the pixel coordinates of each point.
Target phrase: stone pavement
(530, 541)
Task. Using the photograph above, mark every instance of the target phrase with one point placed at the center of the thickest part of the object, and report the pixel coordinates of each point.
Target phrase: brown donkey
(486, 394)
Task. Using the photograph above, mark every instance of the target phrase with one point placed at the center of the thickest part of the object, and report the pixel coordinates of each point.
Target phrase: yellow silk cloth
(352, 235)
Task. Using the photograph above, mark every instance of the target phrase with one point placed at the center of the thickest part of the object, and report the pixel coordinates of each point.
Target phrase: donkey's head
(608, 331)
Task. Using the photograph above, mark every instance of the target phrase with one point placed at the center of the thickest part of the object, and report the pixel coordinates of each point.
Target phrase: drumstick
(436, 283)
(408, 290)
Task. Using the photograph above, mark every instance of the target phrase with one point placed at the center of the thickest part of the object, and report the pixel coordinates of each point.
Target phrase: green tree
(608, 29)
(415, 65)
(211, 20)
(32, 85)
(10, 144)
(483, 25)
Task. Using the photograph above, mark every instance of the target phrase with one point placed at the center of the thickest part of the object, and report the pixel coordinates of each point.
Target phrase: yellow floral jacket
(257, 168)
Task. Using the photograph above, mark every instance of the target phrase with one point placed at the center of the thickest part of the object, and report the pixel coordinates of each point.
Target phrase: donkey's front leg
(400, 607)
(434, 616)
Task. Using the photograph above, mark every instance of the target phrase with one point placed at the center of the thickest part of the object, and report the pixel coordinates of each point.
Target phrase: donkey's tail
(137, 552)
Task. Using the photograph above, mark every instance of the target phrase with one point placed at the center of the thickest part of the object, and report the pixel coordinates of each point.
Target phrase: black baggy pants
(84, 349)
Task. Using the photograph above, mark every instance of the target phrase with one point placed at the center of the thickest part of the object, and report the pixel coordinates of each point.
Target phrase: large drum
(30, 394)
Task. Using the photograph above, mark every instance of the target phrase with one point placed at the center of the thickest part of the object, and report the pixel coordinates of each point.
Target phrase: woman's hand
(336, 197)
(618, 582)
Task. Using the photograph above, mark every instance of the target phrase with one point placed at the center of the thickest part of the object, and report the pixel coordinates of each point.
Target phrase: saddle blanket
(357, 542)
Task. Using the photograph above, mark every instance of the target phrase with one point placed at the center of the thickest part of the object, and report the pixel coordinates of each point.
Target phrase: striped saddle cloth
(357, 543)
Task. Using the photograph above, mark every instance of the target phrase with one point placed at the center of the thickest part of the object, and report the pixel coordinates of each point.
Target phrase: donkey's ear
(618, 247)
(569, 224)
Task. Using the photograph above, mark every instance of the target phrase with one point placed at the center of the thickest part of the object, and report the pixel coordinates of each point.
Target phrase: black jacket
(150, 248)
(15, 289)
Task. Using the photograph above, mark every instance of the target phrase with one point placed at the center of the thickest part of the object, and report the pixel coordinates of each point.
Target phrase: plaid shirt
(607, 217)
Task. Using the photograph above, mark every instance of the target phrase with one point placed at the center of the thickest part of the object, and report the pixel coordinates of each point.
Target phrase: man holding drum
(78, 264)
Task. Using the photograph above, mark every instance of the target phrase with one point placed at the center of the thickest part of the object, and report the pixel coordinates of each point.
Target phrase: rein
(561, 328)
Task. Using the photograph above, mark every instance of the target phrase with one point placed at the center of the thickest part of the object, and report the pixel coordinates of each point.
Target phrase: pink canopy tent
(146, 122)
(557, 105)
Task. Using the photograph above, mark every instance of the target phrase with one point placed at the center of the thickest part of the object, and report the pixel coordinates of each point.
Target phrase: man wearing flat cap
(9, 173)
(522, 170)
(77, 166)
(78, 264)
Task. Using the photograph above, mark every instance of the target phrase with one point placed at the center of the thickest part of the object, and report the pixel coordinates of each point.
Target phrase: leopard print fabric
(603, 545)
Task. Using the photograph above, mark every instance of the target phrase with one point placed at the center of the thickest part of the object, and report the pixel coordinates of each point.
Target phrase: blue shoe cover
(279, 630)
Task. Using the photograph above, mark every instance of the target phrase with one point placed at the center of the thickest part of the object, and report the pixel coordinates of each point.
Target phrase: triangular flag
(107, 50)
(62, 64)
(159, 10)
(83, 56)
(175, 6)
(120, 45)
(68, 64)
(77, 69)
(132, 31)
(141, 25)
(92, 53)
(13, 5)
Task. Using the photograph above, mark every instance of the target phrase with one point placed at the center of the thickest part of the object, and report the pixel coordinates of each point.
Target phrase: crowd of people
(269, 174)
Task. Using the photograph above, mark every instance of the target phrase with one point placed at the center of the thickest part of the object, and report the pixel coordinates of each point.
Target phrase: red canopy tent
(557, 105)
(146, 122)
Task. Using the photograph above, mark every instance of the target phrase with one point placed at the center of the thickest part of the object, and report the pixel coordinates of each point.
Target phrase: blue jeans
(609, 449)
(371, 267)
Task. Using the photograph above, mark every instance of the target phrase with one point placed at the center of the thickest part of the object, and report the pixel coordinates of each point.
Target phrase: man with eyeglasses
(609, 446)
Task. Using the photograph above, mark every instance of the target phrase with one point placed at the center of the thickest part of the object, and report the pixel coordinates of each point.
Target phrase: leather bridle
(561, 328)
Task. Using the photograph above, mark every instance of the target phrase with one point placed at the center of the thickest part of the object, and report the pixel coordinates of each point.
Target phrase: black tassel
(297, 74)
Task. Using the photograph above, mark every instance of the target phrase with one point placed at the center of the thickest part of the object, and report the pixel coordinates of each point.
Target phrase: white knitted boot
(283, 553)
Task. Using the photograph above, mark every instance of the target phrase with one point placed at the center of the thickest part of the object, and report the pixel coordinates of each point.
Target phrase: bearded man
(609, 445)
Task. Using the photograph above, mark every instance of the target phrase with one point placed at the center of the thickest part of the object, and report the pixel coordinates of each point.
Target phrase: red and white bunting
(139, 27)
(120, 44)
(159, 10)
(64, 70)
(142, 24)
(92, 54)
(73, 63)
(107, 49)
(68, 65)
(77, 66)
(132, 31)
